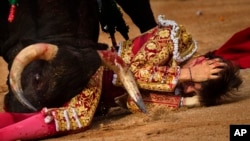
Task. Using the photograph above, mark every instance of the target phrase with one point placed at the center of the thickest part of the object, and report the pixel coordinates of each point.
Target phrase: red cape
(237, 49)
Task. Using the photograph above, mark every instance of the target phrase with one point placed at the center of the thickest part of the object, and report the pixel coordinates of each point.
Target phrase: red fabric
(12, 118)
(32, 127)
(139, 41)
(237, 49)
(109, 91)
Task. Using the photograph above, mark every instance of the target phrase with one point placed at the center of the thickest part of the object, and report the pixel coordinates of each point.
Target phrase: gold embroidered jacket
(154, 59)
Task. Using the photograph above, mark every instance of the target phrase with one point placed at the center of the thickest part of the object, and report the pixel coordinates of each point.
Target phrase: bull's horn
(42, 51)
(115, 63)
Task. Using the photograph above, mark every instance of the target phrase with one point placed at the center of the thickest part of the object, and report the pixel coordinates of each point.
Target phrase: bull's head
(39, 51)
(61, 71)
(44, 75)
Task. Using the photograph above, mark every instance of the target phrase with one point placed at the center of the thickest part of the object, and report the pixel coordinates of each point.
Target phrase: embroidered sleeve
(157, 78)
(77, 114)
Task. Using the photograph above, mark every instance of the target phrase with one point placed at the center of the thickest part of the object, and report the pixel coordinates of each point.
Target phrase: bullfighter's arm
(157, 78)
(77, 114)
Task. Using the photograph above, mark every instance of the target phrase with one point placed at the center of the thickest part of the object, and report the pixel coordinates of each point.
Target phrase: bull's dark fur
(71, 25)
(140, 12)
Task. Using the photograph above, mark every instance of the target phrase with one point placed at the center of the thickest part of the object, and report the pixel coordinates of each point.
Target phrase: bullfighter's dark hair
(214, 91)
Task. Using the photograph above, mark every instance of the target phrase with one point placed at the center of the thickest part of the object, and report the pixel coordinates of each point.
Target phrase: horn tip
(141, 105)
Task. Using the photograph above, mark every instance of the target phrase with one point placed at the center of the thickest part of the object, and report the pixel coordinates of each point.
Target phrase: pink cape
(237, 49)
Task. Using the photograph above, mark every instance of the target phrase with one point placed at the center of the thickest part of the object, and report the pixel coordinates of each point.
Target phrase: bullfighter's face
(190, 87)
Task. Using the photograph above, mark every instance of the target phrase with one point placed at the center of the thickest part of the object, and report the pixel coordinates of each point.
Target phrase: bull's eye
(37, 76)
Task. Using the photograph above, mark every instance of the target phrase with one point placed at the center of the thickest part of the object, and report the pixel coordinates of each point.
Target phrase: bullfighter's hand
(47, 113)
(207, 70)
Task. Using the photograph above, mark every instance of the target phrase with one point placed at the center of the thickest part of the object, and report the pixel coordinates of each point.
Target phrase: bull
(52, 51)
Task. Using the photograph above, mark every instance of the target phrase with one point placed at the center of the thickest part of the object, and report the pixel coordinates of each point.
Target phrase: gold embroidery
(78, 113)
(153, 100)
(149, 54)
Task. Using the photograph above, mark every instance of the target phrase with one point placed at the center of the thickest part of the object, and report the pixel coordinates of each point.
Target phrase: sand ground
(218, 21)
